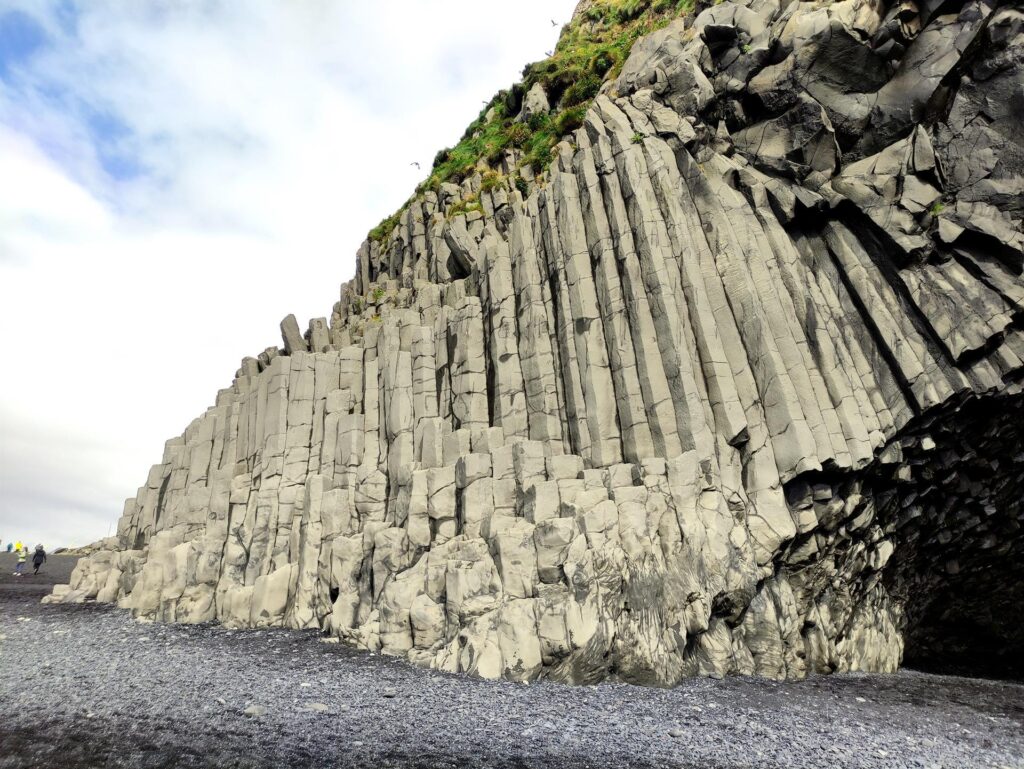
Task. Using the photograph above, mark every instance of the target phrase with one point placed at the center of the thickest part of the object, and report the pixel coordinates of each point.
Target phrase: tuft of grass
(464, 206)
(538, 148)
(518, 134)
(491, 180)
(583, 90)
(937, 208)
(569, 120)
(386, 226)
(638, 138)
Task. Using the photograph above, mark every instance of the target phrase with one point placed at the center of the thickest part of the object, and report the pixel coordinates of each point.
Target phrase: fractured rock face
(735, 388)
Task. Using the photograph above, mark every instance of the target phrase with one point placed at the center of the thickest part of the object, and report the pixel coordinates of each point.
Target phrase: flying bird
(554, 23)
(414, 163)
(549, 53)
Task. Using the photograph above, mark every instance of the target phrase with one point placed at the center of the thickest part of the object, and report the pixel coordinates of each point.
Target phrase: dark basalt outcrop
(733, 386)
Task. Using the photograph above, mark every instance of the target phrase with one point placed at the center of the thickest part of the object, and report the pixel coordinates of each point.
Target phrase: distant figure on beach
(38, 558)
(22, 557)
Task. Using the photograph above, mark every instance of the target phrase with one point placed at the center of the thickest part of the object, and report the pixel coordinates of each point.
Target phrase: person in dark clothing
(38, 558)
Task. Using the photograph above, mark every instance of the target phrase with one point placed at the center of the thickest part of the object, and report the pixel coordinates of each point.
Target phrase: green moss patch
(590, 51)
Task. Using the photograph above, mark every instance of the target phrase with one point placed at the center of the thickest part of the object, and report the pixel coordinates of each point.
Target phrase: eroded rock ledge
(735, 388)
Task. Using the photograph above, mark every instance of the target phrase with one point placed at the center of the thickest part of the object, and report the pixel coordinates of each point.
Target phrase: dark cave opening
(971, 626)
(959, 569)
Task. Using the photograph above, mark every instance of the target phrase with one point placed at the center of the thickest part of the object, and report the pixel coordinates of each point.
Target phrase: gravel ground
(87, 686)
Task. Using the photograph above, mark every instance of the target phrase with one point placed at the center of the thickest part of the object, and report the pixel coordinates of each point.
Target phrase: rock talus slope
(732, 387)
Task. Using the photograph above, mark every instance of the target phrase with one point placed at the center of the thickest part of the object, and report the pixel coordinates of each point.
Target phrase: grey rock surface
(535, 103)
(735, 388)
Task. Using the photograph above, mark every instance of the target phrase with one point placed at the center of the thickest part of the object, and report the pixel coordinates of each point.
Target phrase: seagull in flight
(414, 163)
(554, 23)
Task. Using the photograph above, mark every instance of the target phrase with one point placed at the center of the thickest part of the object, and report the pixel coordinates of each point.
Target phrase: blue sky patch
(66, 14)
(20, 37)
(112, 139)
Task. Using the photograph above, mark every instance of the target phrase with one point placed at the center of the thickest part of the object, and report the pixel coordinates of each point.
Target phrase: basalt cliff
(701, 354)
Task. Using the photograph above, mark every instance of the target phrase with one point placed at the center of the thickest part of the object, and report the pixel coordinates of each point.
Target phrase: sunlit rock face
(733, 387)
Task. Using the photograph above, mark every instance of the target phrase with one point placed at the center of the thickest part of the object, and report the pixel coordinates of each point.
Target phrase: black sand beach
(88, 686)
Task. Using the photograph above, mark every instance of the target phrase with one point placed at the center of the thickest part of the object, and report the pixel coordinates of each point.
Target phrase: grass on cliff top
(591, 49)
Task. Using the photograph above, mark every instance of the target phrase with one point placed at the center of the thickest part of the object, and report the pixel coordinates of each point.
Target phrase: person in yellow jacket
(22, 557)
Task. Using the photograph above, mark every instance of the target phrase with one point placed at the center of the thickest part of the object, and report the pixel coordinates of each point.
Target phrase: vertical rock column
(534, 335)
(466, 355)
(508, 396)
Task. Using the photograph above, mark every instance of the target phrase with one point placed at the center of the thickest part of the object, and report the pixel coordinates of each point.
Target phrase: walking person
(38, 558)
(19, 567)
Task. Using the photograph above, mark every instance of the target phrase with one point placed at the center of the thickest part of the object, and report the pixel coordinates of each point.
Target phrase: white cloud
(268, 137)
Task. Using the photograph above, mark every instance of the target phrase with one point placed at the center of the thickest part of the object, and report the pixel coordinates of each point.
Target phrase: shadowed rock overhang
(733, 386)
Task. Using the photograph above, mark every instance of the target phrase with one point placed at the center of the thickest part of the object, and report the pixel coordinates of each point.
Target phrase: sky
(176, 176)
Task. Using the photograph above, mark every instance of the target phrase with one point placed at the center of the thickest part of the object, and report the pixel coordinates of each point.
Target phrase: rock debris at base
(88, 686)
(732, 387)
